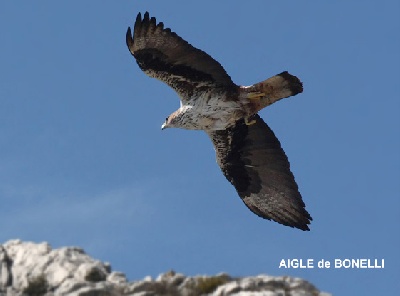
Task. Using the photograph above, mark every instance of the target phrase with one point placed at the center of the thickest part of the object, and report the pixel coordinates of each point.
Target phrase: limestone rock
(28, 268)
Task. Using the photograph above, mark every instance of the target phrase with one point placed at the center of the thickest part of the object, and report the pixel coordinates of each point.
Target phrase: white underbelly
(217, 114)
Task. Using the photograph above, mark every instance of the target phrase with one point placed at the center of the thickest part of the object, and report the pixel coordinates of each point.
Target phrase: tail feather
(275, 88)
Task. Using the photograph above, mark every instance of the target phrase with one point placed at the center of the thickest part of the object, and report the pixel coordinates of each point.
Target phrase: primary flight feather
(247, 151)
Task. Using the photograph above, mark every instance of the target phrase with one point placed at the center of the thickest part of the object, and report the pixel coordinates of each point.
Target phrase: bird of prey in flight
(247, 151)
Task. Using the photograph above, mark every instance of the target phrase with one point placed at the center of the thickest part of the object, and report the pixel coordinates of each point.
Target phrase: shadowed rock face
(28, 268)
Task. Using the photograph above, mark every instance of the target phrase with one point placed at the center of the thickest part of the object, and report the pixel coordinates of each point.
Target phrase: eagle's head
(166, 123)
(174, 120)
(181, 118)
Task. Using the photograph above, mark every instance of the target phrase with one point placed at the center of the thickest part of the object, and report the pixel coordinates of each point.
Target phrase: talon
(255, 95)
(247, 122)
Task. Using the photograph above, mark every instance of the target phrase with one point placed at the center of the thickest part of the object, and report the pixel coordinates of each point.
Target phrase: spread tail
(273, 89)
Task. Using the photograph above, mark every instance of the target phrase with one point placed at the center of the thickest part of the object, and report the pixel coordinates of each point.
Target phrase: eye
(166, 119)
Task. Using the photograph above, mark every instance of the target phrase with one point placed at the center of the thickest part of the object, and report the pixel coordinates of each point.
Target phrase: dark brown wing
(164, 55)
(251, 158)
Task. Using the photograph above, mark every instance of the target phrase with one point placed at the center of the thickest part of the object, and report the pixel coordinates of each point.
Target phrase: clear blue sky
(83, 160)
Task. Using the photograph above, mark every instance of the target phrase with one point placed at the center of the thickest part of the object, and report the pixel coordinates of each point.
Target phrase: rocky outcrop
(28, 268)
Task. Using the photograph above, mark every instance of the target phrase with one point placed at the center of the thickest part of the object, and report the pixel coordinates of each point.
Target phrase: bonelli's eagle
(247, 151)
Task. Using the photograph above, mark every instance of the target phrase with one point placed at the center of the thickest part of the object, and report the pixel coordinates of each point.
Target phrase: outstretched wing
(251, 158)
(164, 55)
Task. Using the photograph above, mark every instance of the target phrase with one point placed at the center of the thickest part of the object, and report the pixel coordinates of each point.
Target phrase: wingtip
(129, 39)
(139, 17)
(139, 27)
(129, 32)
(301, 219)
(306, 221)
(304, 227)
(146, 16)
(302, 222)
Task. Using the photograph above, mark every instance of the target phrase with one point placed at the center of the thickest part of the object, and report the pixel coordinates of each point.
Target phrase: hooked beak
(163, 126)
